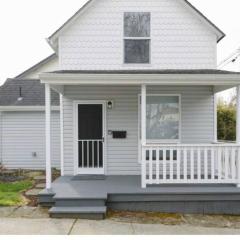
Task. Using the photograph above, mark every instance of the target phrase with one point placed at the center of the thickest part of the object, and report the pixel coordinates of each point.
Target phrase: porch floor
(65, 187)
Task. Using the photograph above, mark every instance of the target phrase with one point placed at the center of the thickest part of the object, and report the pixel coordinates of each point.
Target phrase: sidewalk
(35, 221)
(46, 226)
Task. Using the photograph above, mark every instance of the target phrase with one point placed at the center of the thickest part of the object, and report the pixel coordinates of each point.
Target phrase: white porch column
(215, 119)
(143, 132)
(61, 130)
(238, 131)
(238, 116)
(48, 136)
(143, 110)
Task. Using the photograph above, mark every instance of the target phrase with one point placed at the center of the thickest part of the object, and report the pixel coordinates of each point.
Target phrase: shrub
(226, 122)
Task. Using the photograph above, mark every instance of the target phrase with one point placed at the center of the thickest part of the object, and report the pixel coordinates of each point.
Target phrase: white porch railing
(191, 164)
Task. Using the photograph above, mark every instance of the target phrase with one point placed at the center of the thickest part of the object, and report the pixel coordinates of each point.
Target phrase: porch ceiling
(148, 77)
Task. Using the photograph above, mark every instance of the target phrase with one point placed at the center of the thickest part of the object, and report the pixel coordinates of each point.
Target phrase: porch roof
(211, 77)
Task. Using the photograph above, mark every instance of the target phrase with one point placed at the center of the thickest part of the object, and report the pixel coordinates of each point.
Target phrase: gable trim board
(54, 44)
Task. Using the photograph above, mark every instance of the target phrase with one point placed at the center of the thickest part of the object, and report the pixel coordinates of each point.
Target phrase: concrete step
(96, 213)
(79, 202)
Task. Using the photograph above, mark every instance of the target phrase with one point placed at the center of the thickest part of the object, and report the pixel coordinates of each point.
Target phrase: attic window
(137, 37)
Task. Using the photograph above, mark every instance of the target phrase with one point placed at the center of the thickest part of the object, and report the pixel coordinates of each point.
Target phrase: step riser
(79, 203)
(89, 216)
(46, 201)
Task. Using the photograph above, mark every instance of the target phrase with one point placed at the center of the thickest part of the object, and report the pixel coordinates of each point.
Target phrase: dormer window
(137, 37)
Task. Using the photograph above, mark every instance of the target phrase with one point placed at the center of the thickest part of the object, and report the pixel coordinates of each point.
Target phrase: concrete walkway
(47, 226)
(35, 221)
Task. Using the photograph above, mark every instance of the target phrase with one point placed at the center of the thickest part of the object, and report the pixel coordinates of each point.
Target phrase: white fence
(190, 164)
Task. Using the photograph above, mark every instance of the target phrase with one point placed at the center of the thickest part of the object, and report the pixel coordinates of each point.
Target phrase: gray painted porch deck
(125, 193)
(67, 187)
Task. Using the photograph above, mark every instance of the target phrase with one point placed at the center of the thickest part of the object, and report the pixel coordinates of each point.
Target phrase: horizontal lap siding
(122, 155)
(24, 133)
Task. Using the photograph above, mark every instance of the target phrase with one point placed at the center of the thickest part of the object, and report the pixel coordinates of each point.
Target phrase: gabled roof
(19, 92)
(52, 39)
(36, 66)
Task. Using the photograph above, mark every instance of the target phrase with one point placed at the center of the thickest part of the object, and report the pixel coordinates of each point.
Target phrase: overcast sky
(25, 24)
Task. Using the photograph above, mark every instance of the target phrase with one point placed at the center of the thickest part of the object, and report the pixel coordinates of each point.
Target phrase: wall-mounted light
(34, 154)
(110, 104)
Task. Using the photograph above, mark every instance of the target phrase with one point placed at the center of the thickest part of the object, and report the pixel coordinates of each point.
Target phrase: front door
(90, 125)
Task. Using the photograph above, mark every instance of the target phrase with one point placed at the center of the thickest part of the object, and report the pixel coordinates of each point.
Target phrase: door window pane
(162, 118)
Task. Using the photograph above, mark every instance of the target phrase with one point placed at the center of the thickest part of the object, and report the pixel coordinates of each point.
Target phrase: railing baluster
(199, 165)
(185, 163)
(98, 154)
(233, 163)
(157, 166)
(151, 166)
(178, 164)
(83, 154)
(171, 164)
(192, 164)
(205, 164)
(164, 165)
(93, 154)
(88, 154)
(226, 158)
(212, 164)
(219, 163)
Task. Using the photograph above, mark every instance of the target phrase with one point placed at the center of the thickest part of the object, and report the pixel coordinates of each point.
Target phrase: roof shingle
(32, 92)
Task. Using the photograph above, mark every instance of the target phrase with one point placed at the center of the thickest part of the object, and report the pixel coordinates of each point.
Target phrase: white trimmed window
(137, 30)
(163, 118)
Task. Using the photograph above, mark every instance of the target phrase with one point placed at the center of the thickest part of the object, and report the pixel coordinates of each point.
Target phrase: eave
(26, 108)
(138, 79)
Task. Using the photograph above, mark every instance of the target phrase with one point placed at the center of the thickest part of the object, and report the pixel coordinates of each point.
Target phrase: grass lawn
(11, 193)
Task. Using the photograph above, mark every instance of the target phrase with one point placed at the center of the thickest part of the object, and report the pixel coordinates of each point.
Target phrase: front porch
(168, 137)
(126, 193)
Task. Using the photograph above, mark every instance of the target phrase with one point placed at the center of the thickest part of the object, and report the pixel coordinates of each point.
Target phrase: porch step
(79, 202)
(95, 213)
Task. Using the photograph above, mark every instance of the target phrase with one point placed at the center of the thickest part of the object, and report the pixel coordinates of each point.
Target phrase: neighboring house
(22, 120)
(137, 83)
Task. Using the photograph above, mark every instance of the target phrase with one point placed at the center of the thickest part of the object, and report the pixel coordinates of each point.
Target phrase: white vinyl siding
(23, 133)
(179, 39)
(122, 154)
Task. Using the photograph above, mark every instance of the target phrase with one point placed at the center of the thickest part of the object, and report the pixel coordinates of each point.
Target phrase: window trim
(137, 38)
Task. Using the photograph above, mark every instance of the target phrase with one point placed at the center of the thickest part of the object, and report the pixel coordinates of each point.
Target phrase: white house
(137, 83)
